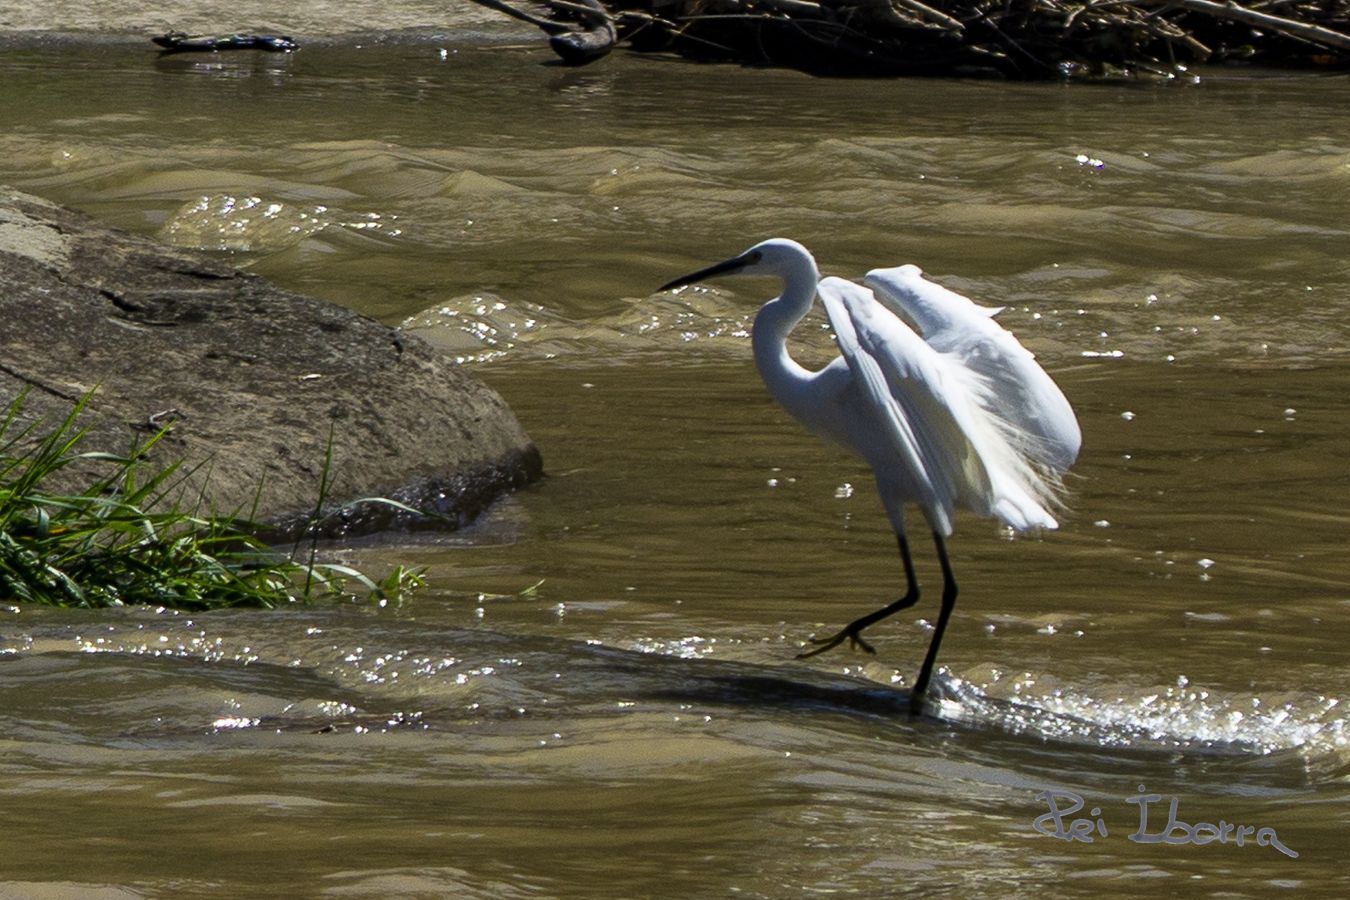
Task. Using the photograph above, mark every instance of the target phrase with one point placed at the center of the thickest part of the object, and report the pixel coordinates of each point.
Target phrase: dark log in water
(181, 42)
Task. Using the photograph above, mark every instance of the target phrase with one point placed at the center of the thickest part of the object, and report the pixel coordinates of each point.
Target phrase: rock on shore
(253, 378)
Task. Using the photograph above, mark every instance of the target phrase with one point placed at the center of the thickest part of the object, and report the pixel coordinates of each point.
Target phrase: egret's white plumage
(960, 417)
(922, 420)
(1020, 390)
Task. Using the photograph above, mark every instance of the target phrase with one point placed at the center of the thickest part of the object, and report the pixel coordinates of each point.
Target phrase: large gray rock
(252, 377)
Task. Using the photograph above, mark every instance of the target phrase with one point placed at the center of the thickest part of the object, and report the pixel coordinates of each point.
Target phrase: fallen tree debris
(1025, 39)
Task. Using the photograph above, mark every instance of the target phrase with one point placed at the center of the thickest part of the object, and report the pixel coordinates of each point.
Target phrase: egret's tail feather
(1022, 491)
(1023, 516)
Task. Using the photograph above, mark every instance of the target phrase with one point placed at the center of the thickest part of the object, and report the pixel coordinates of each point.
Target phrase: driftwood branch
(575, 46)
(1305, 30)
(590, 12)
(927, 13)
(548, 26)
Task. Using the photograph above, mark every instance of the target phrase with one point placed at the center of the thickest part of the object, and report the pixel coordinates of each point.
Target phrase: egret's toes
(855, 641)
(824, 645)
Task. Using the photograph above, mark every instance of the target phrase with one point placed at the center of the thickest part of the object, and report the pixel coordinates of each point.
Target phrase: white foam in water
(1181, 716)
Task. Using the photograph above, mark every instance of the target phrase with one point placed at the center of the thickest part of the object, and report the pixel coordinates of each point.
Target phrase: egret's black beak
(726, 267)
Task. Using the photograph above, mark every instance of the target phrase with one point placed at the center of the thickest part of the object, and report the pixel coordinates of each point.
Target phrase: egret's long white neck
(775, 321)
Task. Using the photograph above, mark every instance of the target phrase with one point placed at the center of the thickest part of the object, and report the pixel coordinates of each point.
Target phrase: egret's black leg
(920, 688)
(851, 631)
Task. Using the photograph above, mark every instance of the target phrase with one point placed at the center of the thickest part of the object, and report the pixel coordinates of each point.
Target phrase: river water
(597, 696)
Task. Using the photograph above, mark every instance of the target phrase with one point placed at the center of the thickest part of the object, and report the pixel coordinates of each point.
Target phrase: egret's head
(776, 256)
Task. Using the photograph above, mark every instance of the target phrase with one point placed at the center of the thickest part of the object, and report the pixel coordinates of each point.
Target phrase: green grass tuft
(118, 542)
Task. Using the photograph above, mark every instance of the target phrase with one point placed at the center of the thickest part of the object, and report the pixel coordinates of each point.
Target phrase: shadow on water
(578, 681)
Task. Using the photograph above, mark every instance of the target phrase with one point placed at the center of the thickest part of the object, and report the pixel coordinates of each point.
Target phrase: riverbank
(1026, 39)
(119, 21)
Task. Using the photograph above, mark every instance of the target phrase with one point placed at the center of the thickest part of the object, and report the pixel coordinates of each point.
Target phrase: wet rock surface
(254, 381)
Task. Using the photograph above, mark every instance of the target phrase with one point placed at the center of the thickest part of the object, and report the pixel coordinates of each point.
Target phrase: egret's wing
(1020, 391)
(929, 305)
(923, 403)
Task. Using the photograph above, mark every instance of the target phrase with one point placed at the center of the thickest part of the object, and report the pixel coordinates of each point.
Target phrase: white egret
(960, 417)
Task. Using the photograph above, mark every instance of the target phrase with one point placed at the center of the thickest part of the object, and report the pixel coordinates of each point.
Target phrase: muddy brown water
(598, 696)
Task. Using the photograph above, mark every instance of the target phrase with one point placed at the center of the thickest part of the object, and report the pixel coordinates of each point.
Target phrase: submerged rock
(252, 379)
